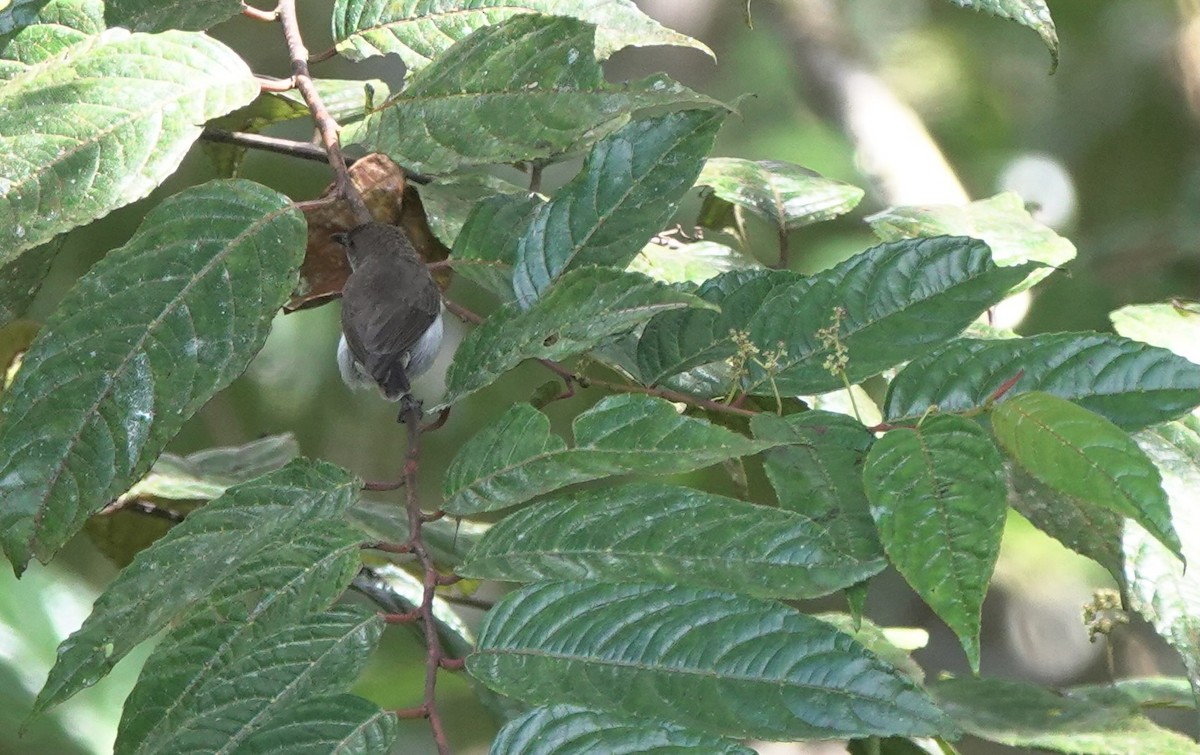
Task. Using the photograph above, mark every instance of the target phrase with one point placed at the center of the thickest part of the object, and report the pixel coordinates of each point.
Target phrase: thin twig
(327, 127)
(434, 655)
(323, 56)
(258, 14)
(289, 147)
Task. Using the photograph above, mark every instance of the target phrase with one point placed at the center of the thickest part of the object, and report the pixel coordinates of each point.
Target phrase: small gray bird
(391, 312)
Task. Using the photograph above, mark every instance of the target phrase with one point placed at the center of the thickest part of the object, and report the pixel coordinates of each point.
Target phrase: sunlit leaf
(786, 195)
(420, 30)
(1160, 587)
(144, 339)
(1002, 221)
(1169, 325)
(155, 15)
(101, 125)
(521, 90)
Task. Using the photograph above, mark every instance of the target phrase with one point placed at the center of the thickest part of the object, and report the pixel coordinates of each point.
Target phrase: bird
(391, 313)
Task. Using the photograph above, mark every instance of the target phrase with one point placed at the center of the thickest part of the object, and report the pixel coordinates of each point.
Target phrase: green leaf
(939, 500)
(571, 730)
(420, 31)
(1002, 221)
(207, 474)
(223, 681)
(1170, 326)
(86, 16)
(144, 339)
(450, 202)
(1086, 529)
(706, 660)
(100, 126)
(1029, 13)
(446, 539)
(1084, 456)
(1023, 715)
(818, 474)
(695, 262)
(587, 306)
(397, 591)
(21, 279)
(892, 644)
(31, 45)
(524, 89)
(1130, 383)
(649, 532)
(896, 301)
(784, 194)
(342, 724)
(676, 342)
(629, 187)
(1158, 585)
(486, 247)
(279, 538)
(517, 458)
(155, 15)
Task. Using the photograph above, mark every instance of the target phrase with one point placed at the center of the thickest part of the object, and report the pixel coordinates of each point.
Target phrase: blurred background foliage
(1106, 149)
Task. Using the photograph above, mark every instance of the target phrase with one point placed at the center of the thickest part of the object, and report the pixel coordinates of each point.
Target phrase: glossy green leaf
(629, 187)
(1130, 383)
(223, 681)
(571, 730)
(207, 474)
(1002, 221)
(817, 472)
(524, 89)
(585, 307)
(785, 194)
(887, 305)
(517, 458)
(155, 15)
(1170, 326)
(702, 659)
(486, 247)
(1149, 691)
(939, 500)
(1160, 587)
(1084, 528)
(680, 341)
(21, 279)
(279, 537)
(101, 125)
(649, 532)
(1029, 13)
(1023, 715)
(667, 260)
(1085, 456)
(111, 378)
(342, 724)
(419, 30)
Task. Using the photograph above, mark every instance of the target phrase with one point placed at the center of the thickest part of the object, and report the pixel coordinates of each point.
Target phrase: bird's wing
(381, 328)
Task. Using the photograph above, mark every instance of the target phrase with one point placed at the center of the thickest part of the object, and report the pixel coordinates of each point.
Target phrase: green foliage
(648, 613)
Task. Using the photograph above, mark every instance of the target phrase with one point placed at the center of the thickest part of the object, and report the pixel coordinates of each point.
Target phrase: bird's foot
(410, 406)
